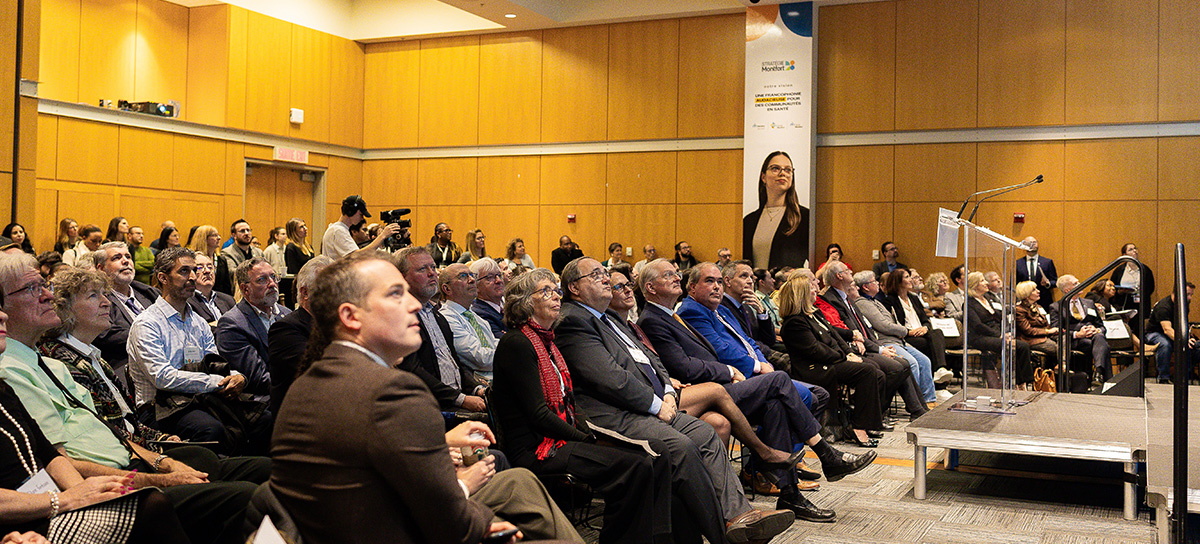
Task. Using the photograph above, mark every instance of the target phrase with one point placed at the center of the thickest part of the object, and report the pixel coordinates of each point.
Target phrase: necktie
(132, 306)
(734, 332)
(649, 372)
(642, 336)
(1032, 269)
(484, 339)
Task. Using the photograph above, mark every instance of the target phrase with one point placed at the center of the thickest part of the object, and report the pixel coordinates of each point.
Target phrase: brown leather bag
(1043, 380)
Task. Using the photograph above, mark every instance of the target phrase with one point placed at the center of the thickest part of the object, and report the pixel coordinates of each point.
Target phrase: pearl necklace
(31, 462)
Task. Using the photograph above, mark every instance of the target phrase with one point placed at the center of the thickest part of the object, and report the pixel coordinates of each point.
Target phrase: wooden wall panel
(1111, 169)
(588, 230)
(641, 178)
(310, 83)
(447, 182)
(1179, 61)
(1009, 163)
(1112, 61)
(449, 98)
(643, 80)
(500, 224)
(106, 50)
(693, 223)
(235, 169)
(261, 191)
(193, 169)
(87, 152)
(1181, 215)
(391, 87)
(858, 228)
(936, 79)
(87, 205)
(208, 64)
(384, 182)
(268, 74)
(239, 37)
(709, 177)
(31, 54)
(47, 146)
(577, 179)
(575, 84)
(510, 88)
(347, 69)
(509, 180)
(29, 129)
(1044, 220)
(44, 228)
(1092, 227)
(636, 226)
(149, 208)
(161, 54)
(856, 67)
(1021, 55)
(59, 50)
(344, 178)
(915, 232)
(855, 174)
(136, 166)
(712, 73)
(1178, 168)
(935, 172)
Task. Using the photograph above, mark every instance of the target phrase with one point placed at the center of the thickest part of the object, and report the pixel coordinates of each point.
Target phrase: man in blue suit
(702, 309)
(1039, 270)
(242, 332)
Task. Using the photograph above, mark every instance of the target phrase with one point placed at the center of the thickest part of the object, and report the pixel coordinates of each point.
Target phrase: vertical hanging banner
(778, 150)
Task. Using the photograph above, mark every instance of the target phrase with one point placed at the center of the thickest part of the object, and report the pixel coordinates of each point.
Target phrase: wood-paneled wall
(1011, 63)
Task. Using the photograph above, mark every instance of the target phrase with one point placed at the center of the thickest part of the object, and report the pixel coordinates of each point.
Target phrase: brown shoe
(758, 525)
(758, 484)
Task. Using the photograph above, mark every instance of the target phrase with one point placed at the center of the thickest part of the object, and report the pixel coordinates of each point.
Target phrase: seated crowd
(180, 390)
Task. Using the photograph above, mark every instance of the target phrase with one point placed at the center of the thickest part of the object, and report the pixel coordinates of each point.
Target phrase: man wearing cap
(338, 242)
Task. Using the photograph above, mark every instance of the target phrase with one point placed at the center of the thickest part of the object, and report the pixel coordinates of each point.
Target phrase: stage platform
(1160, 454)
(1063, 425)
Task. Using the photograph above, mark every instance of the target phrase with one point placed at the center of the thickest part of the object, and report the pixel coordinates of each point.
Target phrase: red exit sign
(291, 154)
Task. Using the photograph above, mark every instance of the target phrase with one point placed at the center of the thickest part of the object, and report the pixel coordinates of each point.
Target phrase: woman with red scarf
(540, 428)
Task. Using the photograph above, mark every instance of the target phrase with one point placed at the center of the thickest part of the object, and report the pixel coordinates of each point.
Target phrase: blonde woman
(475, 247)
(298, 251)
(984, 329)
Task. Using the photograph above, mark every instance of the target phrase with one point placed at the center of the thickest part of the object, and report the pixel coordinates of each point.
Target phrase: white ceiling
(381, 20)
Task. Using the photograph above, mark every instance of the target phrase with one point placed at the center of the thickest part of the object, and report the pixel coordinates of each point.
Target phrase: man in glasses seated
(472, 336)
(242, 332)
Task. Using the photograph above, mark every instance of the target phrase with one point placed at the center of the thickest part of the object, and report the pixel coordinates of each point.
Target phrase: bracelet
(53, 503)
(158, 462)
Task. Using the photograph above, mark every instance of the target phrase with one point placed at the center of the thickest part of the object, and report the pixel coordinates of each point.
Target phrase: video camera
(401, 239)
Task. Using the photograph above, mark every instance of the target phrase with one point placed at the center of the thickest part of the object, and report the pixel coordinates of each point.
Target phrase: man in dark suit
(209, 303)
(1039, 270)
(567, 251)
(373, 466)
(288, 337)
(128, 298)
(242, 332)
(623, 386)
(1086, 326)
(768, 400)
(890, 262)
(456, 387)
(489, 301)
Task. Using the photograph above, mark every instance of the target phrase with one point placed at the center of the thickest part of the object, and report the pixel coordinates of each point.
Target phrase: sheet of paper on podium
(947, 236)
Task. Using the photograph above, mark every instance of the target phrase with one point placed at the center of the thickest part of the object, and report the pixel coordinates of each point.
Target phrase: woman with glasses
(544, 431)
(776, 233)
(475, 248)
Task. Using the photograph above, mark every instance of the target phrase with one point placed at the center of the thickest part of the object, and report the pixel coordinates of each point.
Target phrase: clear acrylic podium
(984, 374)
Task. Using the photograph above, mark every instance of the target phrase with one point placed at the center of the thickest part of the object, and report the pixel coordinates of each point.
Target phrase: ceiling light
(510, 15)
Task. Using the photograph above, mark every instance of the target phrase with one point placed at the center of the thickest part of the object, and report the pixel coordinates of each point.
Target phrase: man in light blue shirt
(473, 339)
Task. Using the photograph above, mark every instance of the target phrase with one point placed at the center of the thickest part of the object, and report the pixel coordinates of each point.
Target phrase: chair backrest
(265, 503)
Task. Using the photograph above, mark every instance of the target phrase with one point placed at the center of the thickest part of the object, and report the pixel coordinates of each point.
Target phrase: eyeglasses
(597, 275)
(672, 275)
(776, 169)
(549, 292)
(265, 279)
(426, 269)
(34, 289)
(495, 276)
(621, 287)
(466, 275)
(443, 231)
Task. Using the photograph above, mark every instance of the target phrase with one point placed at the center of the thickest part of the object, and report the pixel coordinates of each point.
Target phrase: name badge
(1091, 311)
(38, 483)
(997, 306)
(1042, 311)
(192, 354)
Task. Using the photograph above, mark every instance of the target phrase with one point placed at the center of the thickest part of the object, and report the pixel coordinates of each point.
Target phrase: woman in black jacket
(543, 431)
(908, 310)
(820, 356)
(983, 329)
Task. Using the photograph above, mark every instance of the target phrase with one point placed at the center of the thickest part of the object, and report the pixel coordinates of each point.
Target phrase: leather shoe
(805, 510)
(875, 434)
(887, 426)
(758, 525)
(845, 464)
(848, 435)
(794, 458)
(758, 483)
(805, 473)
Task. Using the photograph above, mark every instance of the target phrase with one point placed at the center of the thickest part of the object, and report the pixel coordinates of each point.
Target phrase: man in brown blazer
(360, 449)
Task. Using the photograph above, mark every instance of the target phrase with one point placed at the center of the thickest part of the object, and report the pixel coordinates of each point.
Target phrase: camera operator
(338, 242)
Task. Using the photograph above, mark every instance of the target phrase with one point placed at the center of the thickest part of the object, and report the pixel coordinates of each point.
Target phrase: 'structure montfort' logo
(778, 65)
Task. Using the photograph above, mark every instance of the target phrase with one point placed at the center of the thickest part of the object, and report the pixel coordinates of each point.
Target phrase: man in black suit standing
(623, 386)
(288, 337)
(769, 400)
(567, 251)
(890, 262)
(208, 303)
(1085, 326)
(128, 297)
(1039, 270)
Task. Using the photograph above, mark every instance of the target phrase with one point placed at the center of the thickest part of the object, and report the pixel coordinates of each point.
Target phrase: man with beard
(128, 296)
(242, 332)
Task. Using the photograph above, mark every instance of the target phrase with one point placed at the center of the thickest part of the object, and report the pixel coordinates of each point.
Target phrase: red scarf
(548, 361)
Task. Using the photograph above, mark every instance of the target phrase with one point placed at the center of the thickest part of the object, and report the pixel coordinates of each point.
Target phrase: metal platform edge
(1117, 452)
